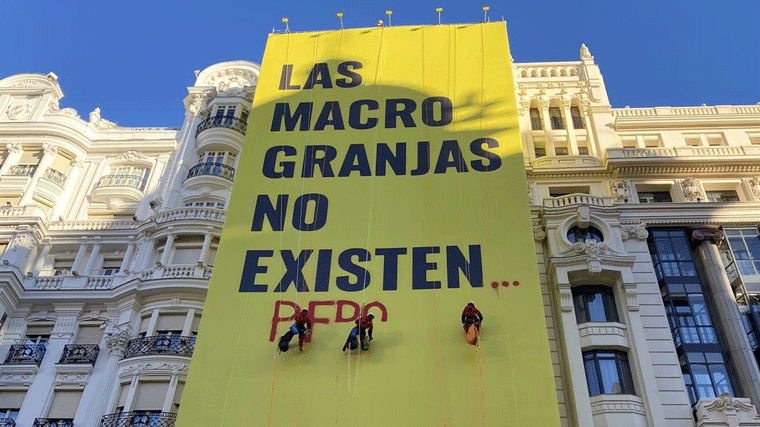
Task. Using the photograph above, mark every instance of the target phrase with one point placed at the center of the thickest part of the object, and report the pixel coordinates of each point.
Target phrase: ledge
(73, 374)
(617, 404)
(19, 375)
(603, 334)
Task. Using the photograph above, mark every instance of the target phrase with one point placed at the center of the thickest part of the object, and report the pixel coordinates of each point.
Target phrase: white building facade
(645, 223)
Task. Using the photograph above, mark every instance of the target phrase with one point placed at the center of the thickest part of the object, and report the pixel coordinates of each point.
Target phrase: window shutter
(29, 158)
(12, 399)
(171, 322)
(196, 323)
(186, 256)
(123, 395)
(144, 324)
(89, 334)
(39, 329)
(65, 403)
(61, 163)
(150, 396)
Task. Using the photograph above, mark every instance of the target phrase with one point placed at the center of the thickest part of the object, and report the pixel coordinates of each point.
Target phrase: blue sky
(134, 59)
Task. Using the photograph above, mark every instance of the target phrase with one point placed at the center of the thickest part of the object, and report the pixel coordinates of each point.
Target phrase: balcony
(55, 177)
(118, 191)
(139, 419)
(213, 169)
(161, 344)
(132, 181)
(53, 422)
(75, 354)
(22, 170)
(7, 422)
(26, 354)
(234, 123)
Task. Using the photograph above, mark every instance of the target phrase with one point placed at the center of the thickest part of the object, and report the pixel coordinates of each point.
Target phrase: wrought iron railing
(224, 122)
(7, 422)
(160, 344)
(216, 169)
(26, 354)
(133, 181)
(139, 419)
(53, 422)
(22, 170)
(80, 353)
(54, 176)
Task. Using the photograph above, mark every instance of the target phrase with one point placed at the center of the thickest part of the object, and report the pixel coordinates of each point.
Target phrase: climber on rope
(365, 330)
(471, 320)
(352, 342)
(303, 323)
(284, 343)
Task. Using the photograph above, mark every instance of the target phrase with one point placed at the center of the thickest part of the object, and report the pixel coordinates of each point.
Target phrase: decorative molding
(620, 190)
(754, 187)
(169, 367)
(98, 122)
(692, 190)
(14, 147)
(131, 156)
(116, 337)
(725, 410)
(638, 232)
(712, 235)
(72, 375)
(631, 296)
(50, 149)
(17, 375)
(566, 299)
(620, 404)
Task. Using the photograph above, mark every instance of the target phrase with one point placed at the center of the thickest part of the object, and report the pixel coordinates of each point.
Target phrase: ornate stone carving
(566, 299)
(593, 252)
(169, 367)
(50, 149)
(20, 110)
(530, 194)
(727, 403)
(116, 337)
(631, 296)
(131, 156)
(538, 232)
(14, 147)
(638, 232)
(620, 191)
(754, 187)
(99, 122)
(692, 191)
(76, 163)
(707, 235)
(28, 83)
(585, 53)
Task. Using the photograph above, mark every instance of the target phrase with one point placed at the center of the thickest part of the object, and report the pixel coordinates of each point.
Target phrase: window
(594, 304)
(126, 176)
(654, 197)
(745, 248)
(111, 266)
(722, 196)
(244, 115)
(575, 113)
(692, 140)
(535, 119)
(7, 413)
(560, 150)
(651, 141)
(576, 234)
(64, 405)
(217, 157)
(705, 375)
(217, 205)
(715, 140)
(10, 403)
(607, 372)
(62, 266)
(629, 141)
(555, 117)
(754, 138)
(540, 152)
(583, 150)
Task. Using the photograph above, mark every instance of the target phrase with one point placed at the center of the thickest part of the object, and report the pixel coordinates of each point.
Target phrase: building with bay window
(645, 223)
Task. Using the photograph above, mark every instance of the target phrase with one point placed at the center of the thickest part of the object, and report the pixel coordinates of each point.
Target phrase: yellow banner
(382, 172)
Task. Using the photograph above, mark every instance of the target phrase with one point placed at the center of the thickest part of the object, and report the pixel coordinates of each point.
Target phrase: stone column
(41, 259)
(93, 259)
(171, 390)
(47, 160)
(125, 263)
(547, 128)
(572, 141)
(14, 154)
(71, 183)
(581, 402)
(188, 325)
(104, 391)
(78, 260)
(195, 102)
(728, 320)
(203, 257)
(167, 249)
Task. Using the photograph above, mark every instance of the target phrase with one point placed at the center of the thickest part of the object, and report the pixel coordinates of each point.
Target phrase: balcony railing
(223, 122)
(80, 354)
(215, 169)
(26, 354)
(54, 176)
(7, 422)
(139, 419)
(53, 422)
(133, 181)
(22, 170)
(160, 344)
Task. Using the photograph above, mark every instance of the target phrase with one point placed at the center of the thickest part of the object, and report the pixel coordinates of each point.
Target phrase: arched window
(535, 119)
(576, 234)
(556, 118)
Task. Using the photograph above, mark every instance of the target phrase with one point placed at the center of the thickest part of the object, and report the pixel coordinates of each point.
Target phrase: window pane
(753, 244)
(702, 381)
(720, 379)
(608, 372)
(591, 377)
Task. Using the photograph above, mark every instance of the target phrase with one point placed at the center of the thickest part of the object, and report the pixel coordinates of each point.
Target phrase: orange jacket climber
(303, 323)
(471, 316)
(365, 325)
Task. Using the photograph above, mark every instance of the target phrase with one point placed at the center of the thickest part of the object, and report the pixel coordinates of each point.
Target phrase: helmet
(471, 303)
(371, 314)
(304, 311)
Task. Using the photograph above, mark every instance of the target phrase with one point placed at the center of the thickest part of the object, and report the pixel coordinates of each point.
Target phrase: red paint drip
(516, 283)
